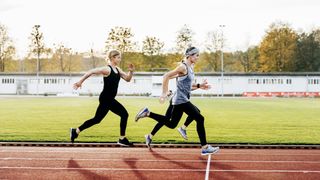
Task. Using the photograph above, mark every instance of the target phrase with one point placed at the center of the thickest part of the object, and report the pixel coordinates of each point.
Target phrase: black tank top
(110, 85)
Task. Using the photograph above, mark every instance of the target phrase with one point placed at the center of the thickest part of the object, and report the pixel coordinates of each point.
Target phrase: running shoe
(183, 133)
(209, 150)
(148, 140)
(73, 134)
(142, 114)
(124, 142)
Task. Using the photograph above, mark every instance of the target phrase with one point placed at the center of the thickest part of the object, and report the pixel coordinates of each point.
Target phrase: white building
(149, 83)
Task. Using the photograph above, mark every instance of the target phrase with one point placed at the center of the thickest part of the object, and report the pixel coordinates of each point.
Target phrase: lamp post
(37, 39)
(222, 41)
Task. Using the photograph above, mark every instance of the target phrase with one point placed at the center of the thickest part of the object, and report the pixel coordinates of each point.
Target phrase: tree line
(282, 49)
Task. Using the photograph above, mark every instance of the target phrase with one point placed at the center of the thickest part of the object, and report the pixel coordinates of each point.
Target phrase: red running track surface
(158, 163)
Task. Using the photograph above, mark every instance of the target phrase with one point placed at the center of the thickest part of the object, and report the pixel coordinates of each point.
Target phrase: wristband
(198, 85)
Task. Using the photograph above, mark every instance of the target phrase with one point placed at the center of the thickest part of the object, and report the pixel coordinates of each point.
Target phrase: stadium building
(149, 84)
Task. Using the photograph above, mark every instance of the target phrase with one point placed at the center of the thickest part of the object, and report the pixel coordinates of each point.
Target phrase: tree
(253, 58)
(37, 47)
(308, 51)
(62, 56)
(7, 50)
(93, 59)
(120, 38)
(212, 54)
(277, 49)
(138, 59)
(249, 60)
(151, 48)
(184, 39)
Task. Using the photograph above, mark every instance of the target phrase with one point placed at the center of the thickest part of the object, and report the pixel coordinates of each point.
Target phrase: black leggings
(102, 110)
(168, 115)
(177, 112)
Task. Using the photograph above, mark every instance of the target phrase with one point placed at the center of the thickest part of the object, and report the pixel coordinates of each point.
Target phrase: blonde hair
(113, 53)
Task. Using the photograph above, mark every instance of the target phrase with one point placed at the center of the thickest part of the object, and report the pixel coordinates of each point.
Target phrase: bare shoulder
(105, 70)
(181, 68)
(119, 69)
(178, 71)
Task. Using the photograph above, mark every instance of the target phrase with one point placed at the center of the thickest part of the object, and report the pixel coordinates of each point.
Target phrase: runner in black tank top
(112, 75)
(110, 85)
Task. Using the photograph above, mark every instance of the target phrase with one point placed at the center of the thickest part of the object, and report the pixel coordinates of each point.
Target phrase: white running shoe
(148, 140)
(183, 133)
(209, 150)
(142, 114)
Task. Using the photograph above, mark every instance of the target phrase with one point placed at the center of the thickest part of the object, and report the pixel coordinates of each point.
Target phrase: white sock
(205, 146)
(77, 130)
(150, 135)
(122, 137)
(184, 127)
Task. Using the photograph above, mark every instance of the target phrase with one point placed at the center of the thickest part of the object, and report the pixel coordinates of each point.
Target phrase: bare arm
(204, 85)
(174, 76)
(103, 70)
(180, 70)
(127, 76)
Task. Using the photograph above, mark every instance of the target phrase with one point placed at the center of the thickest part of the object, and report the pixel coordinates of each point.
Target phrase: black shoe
(124, 142)
(73, 134)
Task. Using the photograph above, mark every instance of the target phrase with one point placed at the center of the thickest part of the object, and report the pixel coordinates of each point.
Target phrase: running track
(158, 163)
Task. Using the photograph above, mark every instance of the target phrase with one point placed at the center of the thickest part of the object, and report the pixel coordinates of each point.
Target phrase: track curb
(140, 145)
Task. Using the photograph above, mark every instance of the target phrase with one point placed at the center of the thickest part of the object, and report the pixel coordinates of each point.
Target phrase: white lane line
(103, 169)
(208, 167)
(168, 170)
(155, 160)
(267, 171)
(96, 159)
(106, 152)
(267, 161)
(162, 152)
(270, 154)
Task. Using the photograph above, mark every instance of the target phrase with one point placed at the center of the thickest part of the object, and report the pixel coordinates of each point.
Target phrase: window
(7, 81)
(313, 81)
(289, 81)
(157, 85)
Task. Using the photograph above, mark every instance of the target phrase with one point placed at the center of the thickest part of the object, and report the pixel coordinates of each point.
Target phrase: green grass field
(229, 120)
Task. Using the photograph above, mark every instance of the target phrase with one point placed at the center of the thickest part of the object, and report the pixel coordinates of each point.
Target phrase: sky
(85, 24)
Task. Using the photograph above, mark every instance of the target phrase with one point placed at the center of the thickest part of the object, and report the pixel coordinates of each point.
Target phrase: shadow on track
(86, 173)
(132, 163)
